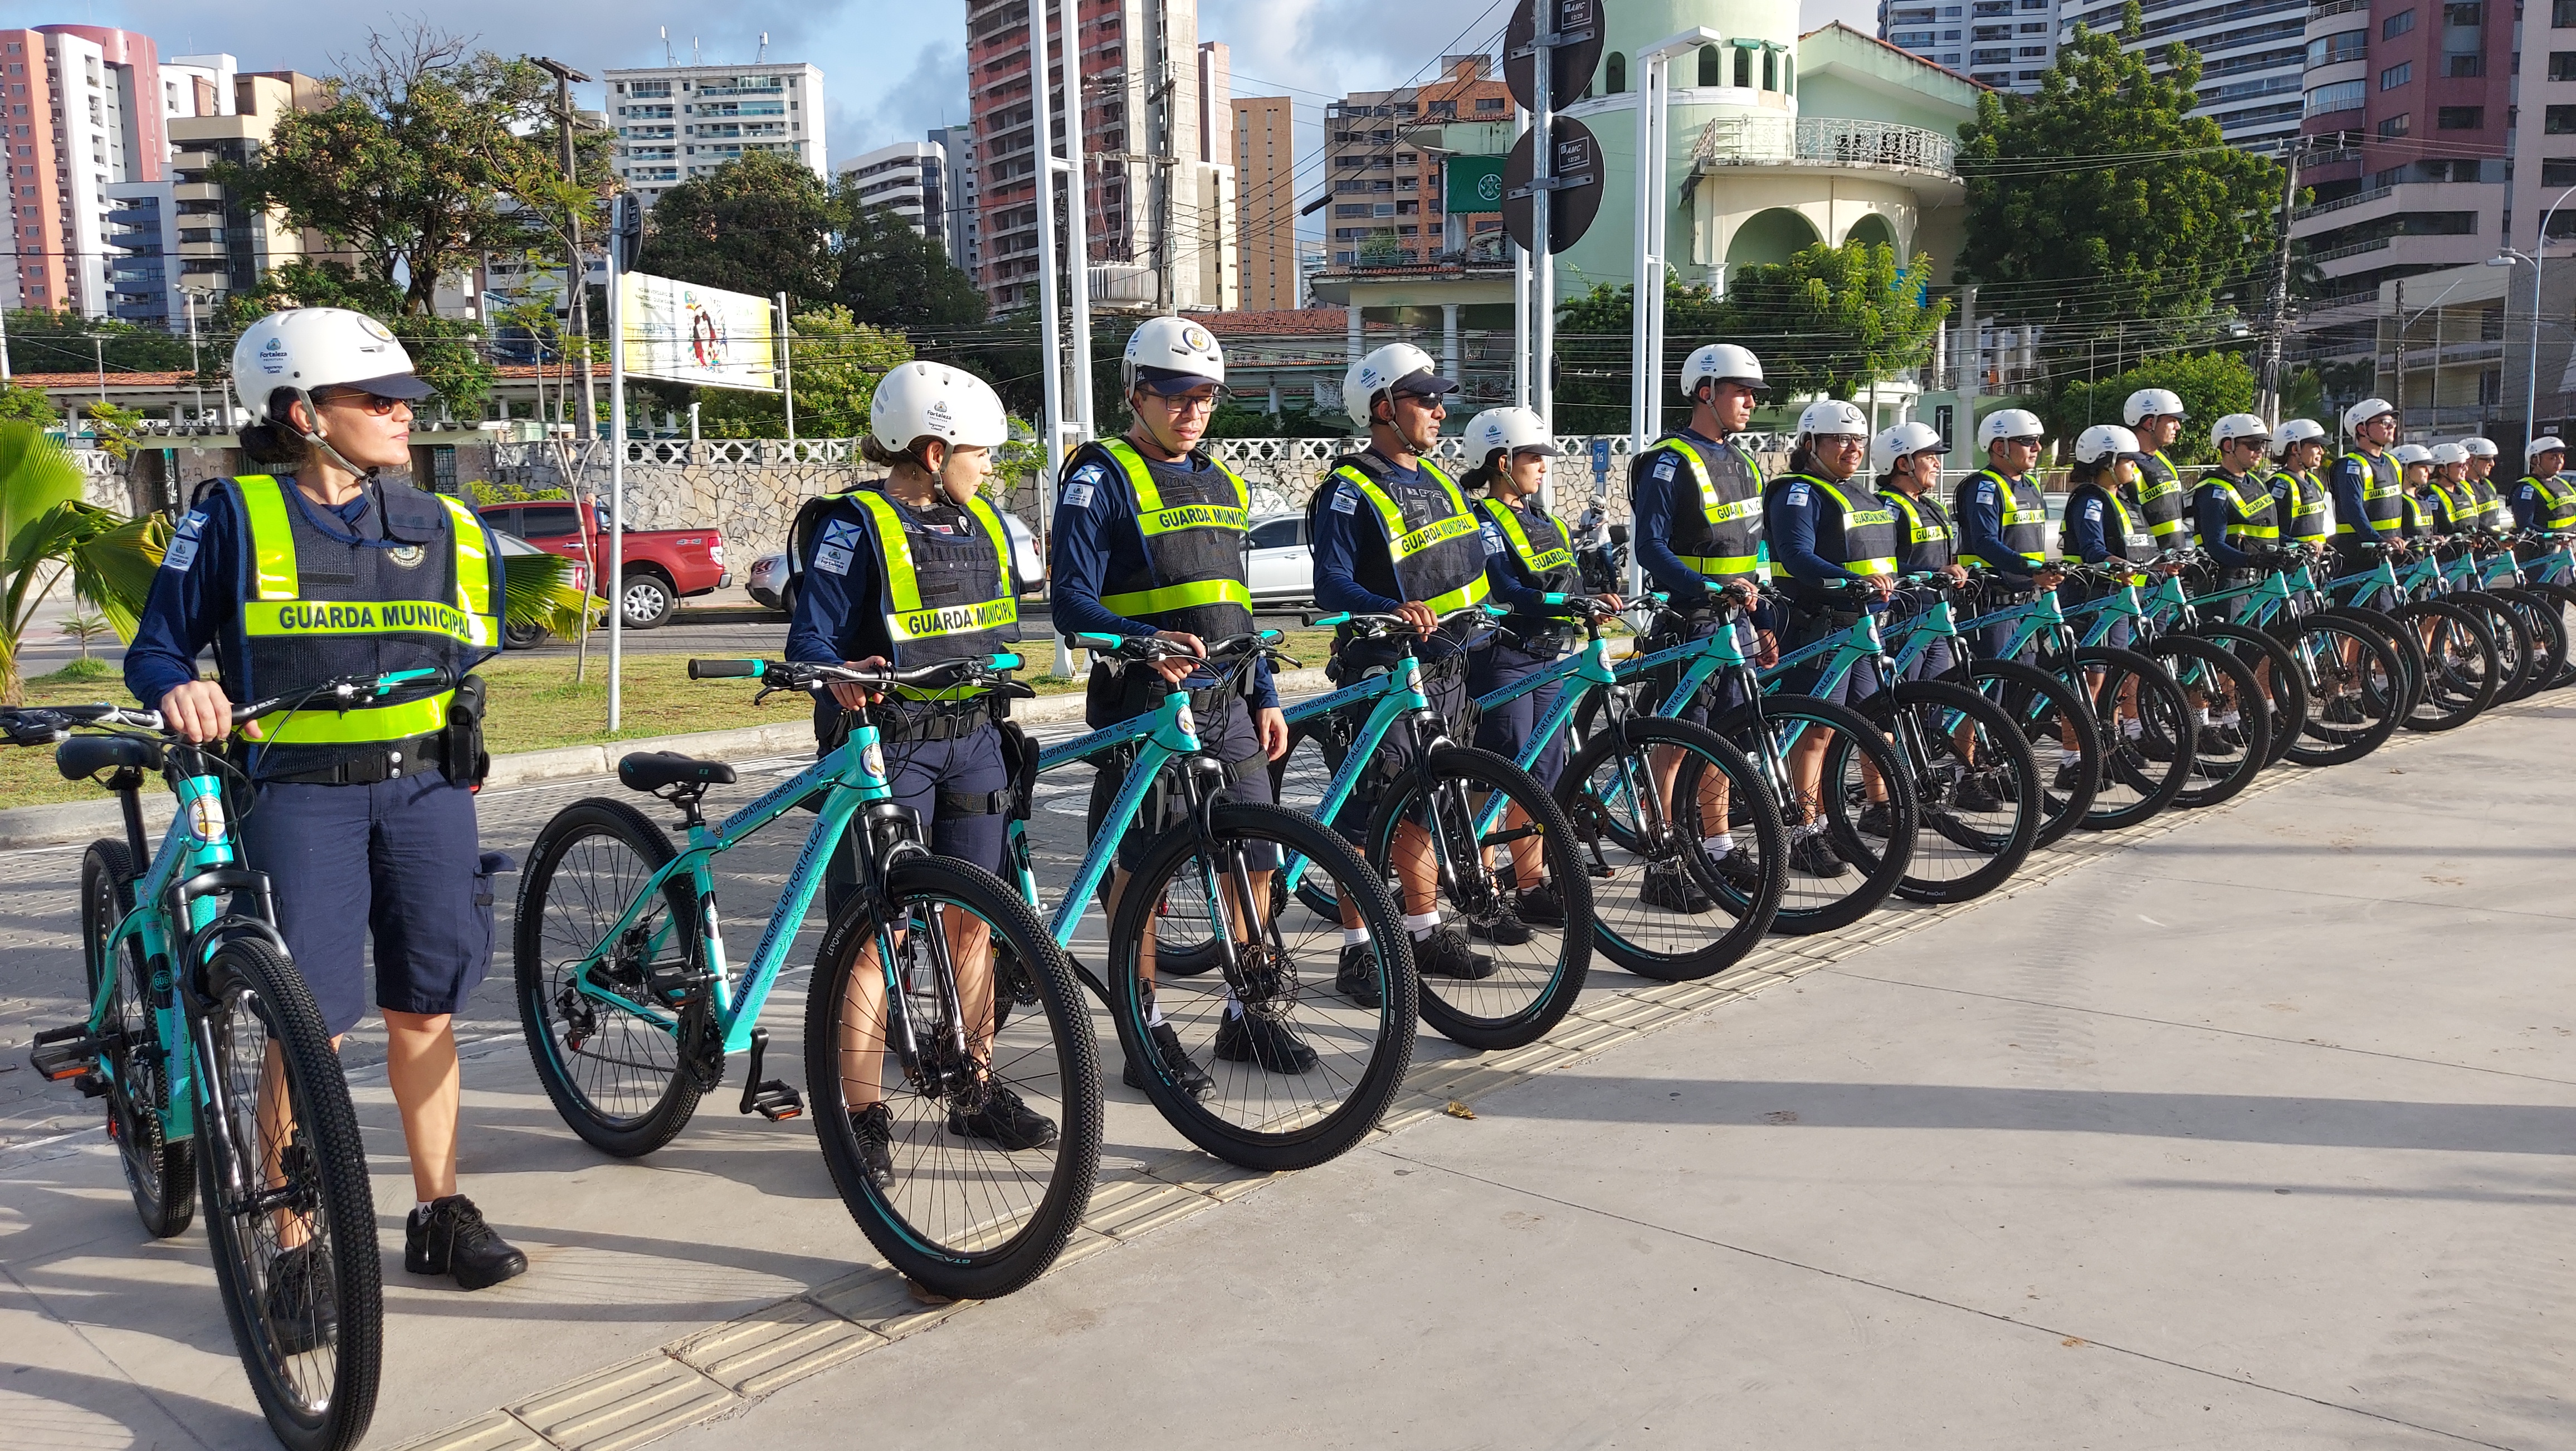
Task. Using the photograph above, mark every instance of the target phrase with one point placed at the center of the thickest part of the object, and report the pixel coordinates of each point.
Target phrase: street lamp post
(2506, 258)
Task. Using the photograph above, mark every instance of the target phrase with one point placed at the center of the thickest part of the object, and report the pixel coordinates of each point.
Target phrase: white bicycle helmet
(2479, 447)
(933, 400)
(1833, 416)
(2236, 426)
(304, 348)
(1721, 363)
(2447, 454)
(2546, 443)
(2410, 454)
(1518, 430)
(2151, 403)
(1371, 377)
(1904, 441)
(2103, 440)
(2364, 411)
(1170, 349)
(2293, 432)
(2009, 423)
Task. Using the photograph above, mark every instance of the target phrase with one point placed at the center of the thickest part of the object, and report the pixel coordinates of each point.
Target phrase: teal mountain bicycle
(222, 1087)
(954, 1081)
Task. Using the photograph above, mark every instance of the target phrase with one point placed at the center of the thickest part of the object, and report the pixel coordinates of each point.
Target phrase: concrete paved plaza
(2255, 1132)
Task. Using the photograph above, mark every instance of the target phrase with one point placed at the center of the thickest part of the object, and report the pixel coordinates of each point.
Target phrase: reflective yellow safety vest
(1193, 580)
(1435, 547)
(1728, 532)
(2383, 491)
(2251, 513)
(2025, 520)
(2557, 501)
(946, 596)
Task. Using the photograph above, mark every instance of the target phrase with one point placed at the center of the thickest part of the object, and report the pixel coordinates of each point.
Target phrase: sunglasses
(364, 402)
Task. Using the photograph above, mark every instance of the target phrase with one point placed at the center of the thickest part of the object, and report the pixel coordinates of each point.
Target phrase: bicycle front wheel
(2460, 675)
(1666, 907)
(159, 1171)
(2141, 713)
(1485, 844)
(1976, 785)
(2065, 742)
(1303, 1040)
(2283, 689)
(1846, 800)
(2548, 631)
(2558, 603)
(290, 1219)
(954, 1083)
(2357, 688)
(612, 1045)
(2231, 728)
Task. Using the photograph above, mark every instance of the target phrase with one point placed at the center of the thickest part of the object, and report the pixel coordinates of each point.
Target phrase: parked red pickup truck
(663, 566)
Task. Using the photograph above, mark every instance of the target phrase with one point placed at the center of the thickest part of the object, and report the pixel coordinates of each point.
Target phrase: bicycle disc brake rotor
(1264, 979)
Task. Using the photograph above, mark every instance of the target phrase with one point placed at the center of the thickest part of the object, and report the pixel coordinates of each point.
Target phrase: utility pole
(2270, 403)
(2400, 398)
(576, 270)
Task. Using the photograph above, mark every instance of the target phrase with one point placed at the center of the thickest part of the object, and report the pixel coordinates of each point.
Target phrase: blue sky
(891, 68)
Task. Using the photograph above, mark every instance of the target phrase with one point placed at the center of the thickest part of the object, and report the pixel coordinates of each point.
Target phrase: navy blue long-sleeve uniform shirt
(1792, 513)
(2525, 501)
(2211, 507)
(1657, 495)
(2344, 483)
(1344, 525)
(1981, 533)
(1096, 540)
(2087, 530)
(197, 593)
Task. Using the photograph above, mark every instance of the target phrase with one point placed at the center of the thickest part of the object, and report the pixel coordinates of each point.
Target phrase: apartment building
(2002, 43)
(678, 122)
(958, 225)
(908, 178)
(1385, 199)
(1265, 173)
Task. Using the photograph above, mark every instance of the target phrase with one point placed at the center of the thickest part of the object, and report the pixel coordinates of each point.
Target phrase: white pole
(1520, 294)
(616, 581)
(787, 375)
(1641, 325)
(1077, 244)
(1050, 358)
(1543, 256)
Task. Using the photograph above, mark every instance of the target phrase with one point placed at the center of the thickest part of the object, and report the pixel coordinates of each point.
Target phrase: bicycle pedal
(775, 1101)
(65, 1053)
(673, 986)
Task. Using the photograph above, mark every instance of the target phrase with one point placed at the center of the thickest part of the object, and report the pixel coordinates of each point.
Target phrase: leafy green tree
(47, 529)
(115, 428)
(2168, 235)
(761, 225)
(1594, 366)
(417, 163)
(443, 349)
(22, 404)
(895, 277)
(838, 361)
(2209, 384)
(1833, 320)
(66, 342)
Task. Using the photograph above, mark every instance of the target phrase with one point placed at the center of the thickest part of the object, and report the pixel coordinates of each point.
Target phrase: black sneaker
(2070, 775)
(1258, 1038)
(452, 1239)
(1357, 979)
(2211, 742)
(1003, 1120)
(874, 1125)
(303, 1309)
(1814, 855)
(1177, 1065)
(1874, 820)
(1739, 870)
(1975, 795)
(1540, 907)
(2343, 710)
(1669, 887)
(1504, 928)
(1443, 952)
(2152, 745)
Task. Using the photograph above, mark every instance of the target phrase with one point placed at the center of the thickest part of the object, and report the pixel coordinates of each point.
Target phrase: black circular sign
(1574, 62)
(1571, 207)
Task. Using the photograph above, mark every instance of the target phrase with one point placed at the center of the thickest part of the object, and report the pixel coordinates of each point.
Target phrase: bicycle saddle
(653, 770)
(81, 757)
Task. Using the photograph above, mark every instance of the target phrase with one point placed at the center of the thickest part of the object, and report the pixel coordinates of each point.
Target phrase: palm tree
(46, 529)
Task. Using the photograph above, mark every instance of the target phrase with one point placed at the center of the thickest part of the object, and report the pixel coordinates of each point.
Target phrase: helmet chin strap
(317, 440)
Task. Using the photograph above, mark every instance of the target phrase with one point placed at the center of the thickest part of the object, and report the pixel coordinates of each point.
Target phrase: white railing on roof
(1782, 140)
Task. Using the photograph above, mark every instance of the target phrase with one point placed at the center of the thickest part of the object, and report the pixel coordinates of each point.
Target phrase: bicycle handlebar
(1145, 649)
(1378, 626)
(48, 725)
(810, 674)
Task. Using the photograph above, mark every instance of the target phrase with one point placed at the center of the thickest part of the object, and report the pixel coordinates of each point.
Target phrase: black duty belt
(369, 765)
(925, 723)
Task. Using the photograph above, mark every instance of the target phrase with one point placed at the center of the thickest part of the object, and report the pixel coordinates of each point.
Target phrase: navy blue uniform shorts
(1725, 691)
(1444, 685)
(396, 863)
(1505, 729)
(916, 772)
(1859, 683)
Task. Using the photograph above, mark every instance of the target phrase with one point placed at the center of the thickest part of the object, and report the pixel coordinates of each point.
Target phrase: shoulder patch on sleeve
(1077, 495)
(2093, 511)
(1986, 492)
(839, 543)
(1664, 469)
(1346, 500)
(1797, 495)
(184, 541)
(1493, 539)
(1087, 474)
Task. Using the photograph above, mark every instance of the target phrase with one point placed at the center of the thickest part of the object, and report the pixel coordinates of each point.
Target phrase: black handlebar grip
(726, 669)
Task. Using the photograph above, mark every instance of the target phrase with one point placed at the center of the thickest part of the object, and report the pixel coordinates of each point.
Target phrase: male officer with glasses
(2003, 517)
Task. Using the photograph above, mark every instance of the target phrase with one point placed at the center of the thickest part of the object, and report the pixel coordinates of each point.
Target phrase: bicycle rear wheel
(1486, 827)
(622, 1076)
(1686, 916)
(2558, 601)
(1352, 1011)
(1976, 787)
(2540, 617)
(2065, 741)
(2357, 692)
(2230, 749)
(2460, 678)
(2140, 713)
(290, 1218)
(969, 1157)
(2276, 678)
(1863, 853)
(2412, 666)
(1298, 781)
(159, 1171)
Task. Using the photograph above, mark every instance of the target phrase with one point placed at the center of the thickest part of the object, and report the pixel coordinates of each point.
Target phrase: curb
(72, 821)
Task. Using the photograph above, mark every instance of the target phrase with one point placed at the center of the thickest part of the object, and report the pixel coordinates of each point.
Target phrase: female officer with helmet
(909, 573)
(362, 818)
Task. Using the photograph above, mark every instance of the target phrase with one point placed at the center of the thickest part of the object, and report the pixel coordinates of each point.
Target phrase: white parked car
(772, 581)
(1282, 565)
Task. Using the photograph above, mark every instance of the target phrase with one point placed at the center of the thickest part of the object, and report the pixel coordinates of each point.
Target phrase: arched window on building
(1617, 72)
(1712, 66)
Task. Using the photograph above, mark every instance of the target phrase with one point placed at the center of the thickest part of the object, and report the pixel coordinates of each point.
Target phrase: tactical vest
(2124, 539)
(2557, 502)
(1865, 544)
(2417, 519)
(1193, 526)
(2025, 522)
(1433, 544)
(1723, 541)
(2461, 510)
(2302, 497)
(1537, 540)
(2382, 496)
(2161, 498)
(947, 595)
(317, 607)
(2251, 516)
(2488, 501)
(1924, 538)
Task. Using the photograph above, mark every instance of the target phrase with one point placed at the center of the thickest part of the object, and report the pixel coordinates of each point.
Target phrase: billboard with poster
(681, 332)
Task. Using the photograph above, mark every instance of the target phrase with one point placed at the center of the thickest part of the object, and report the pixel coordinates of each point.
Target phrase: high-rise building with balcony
(1265, 171)
(1385, 190)
(958, 226)
(2252, 56)
(2005, 44)
(678, 122)
(908, 178)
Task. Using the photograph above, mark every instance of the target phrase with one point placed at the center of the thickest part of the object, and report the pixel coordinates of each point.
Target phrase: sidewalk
(2252, 1133)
